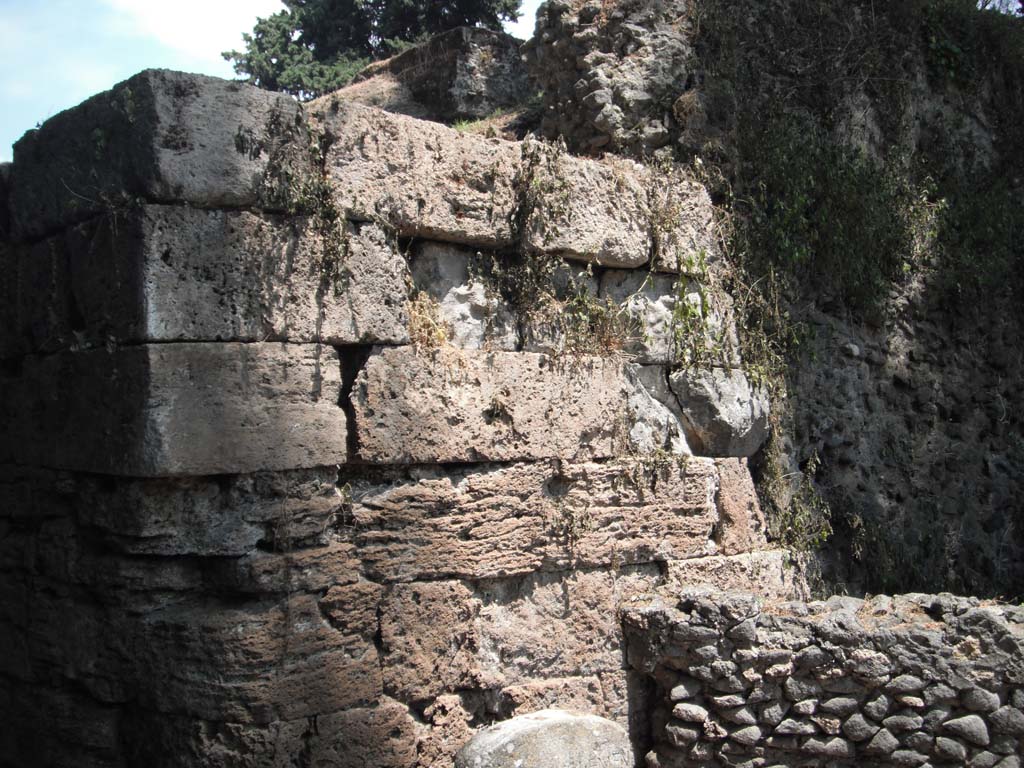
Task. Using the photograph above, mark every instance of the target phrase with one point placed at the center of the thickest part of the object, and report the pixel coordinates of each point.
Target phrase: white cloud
(198, 29)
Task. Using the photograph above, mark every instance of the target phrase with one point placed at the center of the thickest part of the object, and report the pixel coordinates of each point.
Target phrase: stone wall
(905, 681)
(287, 479)
(908, 407)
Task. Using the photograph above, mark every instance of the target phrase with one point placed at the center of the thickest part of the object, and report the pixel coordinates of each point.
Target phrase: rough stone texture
(178, 409)
(742, 526)
(424, 179)
(161, 136)
(468, 407)
(476, 319)
(465, 73)
(723, 415)
(502, 521)
(549, 737)
(590, 211)
(611, 75)
(163, 273)
(893, 402)
(812, 674)
(205, 557)
(773, 571)
(431, 181)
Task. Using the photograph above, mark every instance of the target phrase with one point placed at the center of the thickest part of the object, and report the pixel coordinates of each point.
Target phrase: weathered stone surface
(501, 521)
(503, 406)
(162, 136)
(425, 179)
(475, 317)
(548, 738)
(466, 73)
(179, 409)
(226, 516)
(970, 728)
(742, 527)
(687, 232)
(382, 736)
(1008, 719)
(586, 210)
(251, 661)
(511, 631)
(770, 570)
(170, 273)
(650, 300)
(710, 638)
(722, 413)
(431, 181)
(675, 319)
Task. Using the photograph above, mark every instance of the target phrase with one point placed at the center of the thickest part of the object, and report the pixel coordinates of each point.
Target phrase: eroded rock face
(722, 413)
(474, 316)
(411, 407)
(612, 74)
(161, 136)
(549, 737)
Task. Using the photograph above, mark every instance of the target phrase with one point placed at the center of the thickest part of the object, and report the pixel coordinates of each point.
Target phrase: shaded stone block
(170, 273)
(160, 136)
(178, 409)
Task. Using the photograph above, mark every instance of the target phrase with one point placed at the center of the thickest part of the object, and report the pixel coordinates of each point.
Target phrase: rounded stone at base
(549, 738)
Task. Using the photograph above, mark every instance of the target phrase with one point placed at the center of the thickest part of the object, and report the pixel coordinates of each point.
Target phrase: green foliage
(980, 261)
(316, 46)
(825, 215)
(962, 40)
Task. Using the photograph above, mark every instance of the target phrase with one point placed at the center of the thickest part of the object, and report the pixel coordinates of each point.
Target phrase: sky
(56, 53)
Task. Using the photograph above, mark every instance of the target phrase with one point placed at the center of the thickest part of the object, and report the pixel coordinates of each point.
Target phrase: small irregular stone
(1008, 720)
(970, 728)
(858, 728)
(980, 700)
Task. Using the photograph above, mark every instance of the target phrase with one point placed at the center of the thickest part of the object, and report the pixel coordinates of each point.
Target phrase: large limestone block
(160, 136)
(500, 521)
(583, 209)
(742, 526)
(769, 573)
(383, 735)
(444, 636)
(431, 181)
(425, 179)
(170, 273)
(684, 221)
(179, 409)
(413, 407)
(723, 413)
(258, 660)
(548, 738)
(474, 316)
(211, 517)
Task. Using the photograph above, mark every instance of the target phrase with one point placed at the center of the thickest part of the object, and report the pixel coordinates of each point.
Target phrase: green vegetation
(841, 177)
(316, 46)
